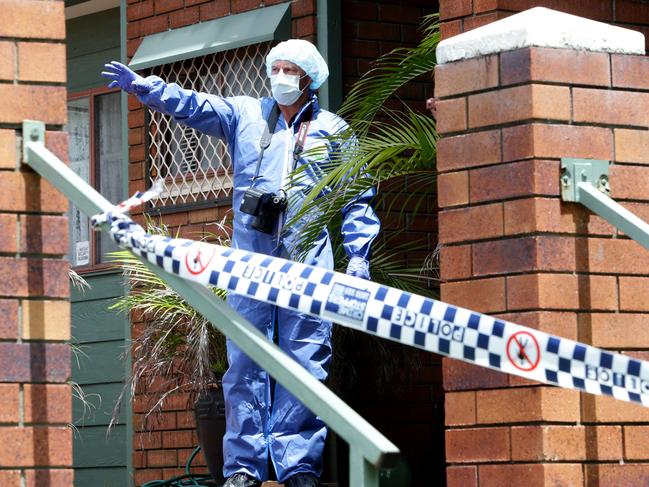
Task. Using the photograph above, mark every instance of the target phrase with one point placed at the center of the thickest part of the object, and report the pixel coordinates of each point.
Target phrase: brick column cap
(540, 27)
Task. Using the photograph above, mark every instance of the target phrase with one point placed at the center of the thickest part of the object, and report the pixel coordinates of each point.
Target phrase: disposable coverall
(292, 435)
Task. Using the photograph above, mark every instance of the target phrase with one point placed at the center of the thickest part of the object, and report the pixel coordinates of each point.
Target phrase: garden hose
(187, 479)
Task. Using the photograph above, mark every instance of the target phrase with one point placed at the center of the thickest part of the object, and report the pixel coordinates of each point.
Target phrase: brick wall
(35, 399)
(513, 249)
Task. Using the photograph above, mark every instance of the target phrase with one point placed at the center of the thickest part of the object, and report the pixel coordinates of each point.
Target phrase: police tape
(390, 313)
(127, 205)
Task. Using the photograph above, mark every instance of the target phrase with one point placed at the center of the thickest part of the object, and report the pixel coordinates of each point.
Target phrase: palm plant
(381, 146)
(176, 348)
(388, 148)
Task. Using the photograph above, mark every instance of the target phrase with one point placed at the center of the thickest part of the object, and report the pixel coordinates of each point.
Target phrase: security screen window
(95, 144)
(196, 167)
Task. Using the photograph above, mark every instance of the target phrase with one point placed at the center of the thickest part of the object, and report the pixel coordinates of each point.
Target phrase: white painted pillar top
(540, 27)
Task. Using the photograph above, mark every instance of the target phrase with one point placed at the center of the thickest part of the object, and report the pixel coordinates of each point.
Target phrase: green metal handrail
(369, 449)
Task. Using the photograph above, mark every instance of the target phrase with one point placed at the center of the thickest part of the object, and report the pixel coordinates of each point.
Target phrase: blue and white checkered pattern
(396, 315)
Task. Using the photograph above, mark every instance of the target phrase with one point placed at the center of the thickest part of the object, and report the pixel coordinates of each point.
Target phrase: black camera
(265, 207)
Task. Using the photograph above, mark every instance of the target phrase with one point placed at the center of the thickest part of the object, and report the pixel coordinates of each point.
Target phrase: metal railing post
(361, 472)
(370, 448)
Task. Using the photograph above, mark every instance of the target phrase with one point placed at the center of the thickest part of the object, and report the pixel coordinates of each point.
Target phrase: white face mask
(286, 88)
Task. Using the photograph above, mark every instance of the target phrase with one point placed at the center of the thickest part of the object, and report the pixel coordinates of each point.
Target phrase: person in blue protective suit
(262, 423)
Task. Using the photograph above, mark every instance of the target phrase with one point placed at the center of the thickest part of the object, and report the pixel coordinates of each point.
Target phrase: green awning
(263, 24)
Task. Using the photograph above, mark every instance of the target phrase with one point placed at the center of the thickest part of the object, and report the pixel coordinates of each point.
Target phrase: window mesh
(196, 167)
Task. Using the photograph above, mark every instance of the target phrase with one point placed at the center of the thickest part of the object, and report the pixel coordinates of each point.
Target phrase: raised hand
(125, 78)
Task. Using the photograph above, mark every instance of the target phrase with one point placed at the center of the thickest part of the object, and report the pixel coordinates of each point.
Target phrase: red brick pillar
(512, 248)
(35, 399)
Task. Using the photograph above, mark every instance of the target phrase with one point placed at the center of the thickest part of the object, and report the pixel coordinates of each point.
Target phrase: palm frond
(390, 266)
(174, 344)
(78, 282)
(373, 151)
(405, 148)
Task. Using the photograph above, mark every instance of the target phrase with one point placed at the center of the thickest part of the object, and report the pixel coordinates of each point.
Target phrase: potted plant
(174, 349)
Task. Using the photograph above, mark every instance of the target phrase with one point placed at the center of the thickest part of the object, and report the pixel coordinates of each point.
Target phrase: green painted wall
(100, 459)
(92, 41)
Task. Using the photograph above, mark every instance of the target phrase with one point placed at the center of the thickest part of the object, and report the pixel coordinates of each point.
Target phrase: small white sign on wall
(82, 253)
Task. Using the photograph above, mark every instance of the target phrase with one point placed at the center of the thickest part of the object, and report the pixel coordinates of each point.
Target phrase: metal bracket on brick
(33, 131)
(585, 181)
(576, 171)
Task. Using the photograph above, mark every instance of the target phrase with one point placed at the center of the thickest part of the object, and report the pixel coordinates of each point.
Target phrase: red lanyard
(299, 143)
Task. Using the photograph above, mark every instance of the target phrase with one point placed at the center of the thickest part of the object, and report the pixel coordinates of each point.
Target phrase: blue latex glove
(125, 78)
(358, 267)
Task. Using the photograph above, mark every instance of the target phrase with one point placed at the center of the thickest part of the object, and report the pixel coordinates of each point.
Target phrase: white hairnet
(305, 55)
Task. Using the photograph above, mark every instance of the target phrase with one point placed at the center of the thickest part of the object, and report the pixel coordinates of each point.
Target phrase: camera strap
(264, 142)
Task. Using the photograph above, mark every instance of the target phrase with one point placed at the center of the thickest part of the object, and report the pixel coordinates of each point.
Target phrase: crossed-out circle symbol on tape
(523, 351)
(198, 258)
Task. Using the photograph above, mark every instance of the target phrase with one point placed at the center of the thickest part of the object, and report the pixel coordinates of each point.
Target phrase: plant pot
(209, 412)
